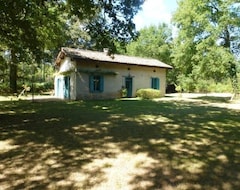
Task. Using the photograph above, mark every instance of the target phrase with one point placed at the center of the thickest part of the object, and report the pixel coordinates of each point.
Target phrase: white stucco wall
(141, 77)
(67, 65)
(79, 80)
(67, 68)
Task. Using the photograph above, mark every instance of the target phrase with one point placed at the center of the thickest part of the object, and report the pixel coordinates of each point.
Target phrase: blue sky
(155, 12)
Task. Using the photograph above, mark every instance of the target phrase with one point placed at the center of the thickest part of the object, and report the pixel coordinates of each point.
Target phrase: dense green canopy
(207, 46)
(30, 27)
(153, 42)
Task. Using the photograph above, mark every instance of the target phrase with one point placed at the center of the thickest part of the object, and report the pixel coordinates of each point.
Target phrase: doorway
(66, 88)
(129, 85)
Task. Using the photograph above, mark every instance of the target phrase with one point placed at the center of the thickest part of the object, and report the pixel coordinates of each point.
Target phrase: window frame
(94, 85)
(155, 83)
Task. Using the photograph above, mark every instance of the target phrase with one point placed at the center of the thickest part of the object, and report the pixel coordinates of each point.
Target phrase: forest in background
(204, 53)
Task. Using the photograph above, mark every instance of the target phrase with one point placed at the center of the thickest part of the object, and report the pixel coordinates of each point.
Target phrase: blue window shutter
(152, 82)
(101, 83)
(91, 83)
(157, 83)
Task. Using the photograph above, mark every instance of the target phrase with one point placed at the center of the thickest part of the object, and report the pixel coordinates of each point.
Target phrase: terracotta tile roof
(115, 58)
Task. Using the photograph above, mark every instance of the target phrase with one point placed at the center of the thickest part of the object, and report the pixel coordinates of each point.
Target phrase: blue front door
(66, 88)
(128, 85)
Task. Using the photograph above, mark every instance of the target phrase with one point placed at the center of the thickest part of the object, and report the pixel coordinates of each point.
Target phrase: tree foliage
(207, 46)
(29, 27)
(153, 42)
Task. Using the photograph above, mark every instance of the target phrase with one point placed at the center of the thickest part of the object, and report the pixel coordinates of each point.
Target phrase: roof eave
(116, 62)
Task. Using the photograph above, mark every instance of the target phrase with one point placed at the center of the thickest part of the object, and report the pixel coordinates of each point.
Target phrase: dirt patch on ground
(222, 100)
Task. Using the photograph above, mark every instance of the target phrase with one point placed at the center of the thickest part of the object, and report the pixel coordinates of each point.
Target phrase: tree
(30, 27)
(27, 28)
(113, 23)
(153, 42)
(207, 46)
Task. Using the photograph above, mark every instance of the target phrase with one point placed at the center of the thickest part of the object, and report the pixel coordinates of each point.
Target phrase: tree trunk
(232, 66)
(13, 73)
(234, 78)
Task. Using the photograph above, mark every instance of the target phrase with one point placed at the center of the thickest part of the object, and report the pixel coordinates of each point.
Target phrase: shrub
(43, 87)
(202, 86)
(186, 83)
(4, 88)
(148, 93)
(123, 92)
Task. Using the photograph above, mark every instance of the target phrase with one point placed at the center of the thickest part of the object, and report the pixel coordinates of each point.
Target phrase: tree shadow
(118, 144)
(215, 99)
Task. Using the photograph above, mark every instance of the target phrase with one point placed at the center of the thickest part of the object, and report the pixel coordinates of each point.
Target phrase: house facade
(84, 74)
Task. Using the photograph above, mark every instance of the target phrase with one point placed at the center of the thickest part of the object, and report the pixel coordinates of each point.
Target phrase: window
(96, 83)
(155, 83)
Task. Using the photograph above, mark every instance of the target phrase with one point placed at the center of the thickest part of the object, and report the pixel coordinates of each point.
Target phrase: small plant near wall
(123, 92)
(148, 93)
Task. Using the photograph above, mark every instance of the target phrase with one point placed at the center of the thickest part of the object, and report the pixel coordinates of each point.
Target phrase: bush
(123, 92)
(4, 88)
(202, 86)
(43, 87)
(148, 93)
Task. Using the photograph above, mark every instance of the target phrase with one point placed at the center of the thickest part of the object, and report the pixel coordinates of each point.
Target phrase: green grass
(133, 144)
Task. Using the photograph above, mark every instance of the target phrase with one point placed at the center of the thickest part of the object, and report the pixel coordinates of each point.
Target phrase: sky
(155, 12)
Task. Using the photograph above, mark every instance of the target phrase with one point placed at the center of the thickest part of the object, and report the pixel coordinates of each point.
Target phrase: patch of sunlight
(104, 123)
(84, 129)
(108, 137)
(211, 123)
(62, 184)
(104, 108)
(155, 119)
(186, 186)
(116, 116)
(8, 112)
(50, 162)
(172, 126)
(214, 112)
(192, 167)
(50, 151)
(193, 115)
(159, 141)
(203, 141)
(51, 119)
(77, 177)
(115, 173)
(227, 185)
(223, 158)
(80, 127)
(191, 136)
(28, 111)
(36, 169)
(151, 119)
(179, 147)
(7, 145)
(112, 148)
(37, 178)
(100, 107)
(237, 150)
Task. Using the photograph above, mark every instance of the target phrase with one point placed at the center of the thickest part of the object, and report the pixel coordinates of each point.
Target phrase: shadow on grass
(118, 145)
(215, 99)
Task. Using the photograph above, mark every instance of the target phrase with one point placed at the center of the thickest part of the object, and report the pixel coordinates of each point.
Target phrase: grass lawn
(119, 144)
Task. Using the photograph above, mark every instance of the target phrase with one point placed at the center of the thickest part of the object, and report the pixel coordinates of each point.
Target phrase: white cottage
(84, 74)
